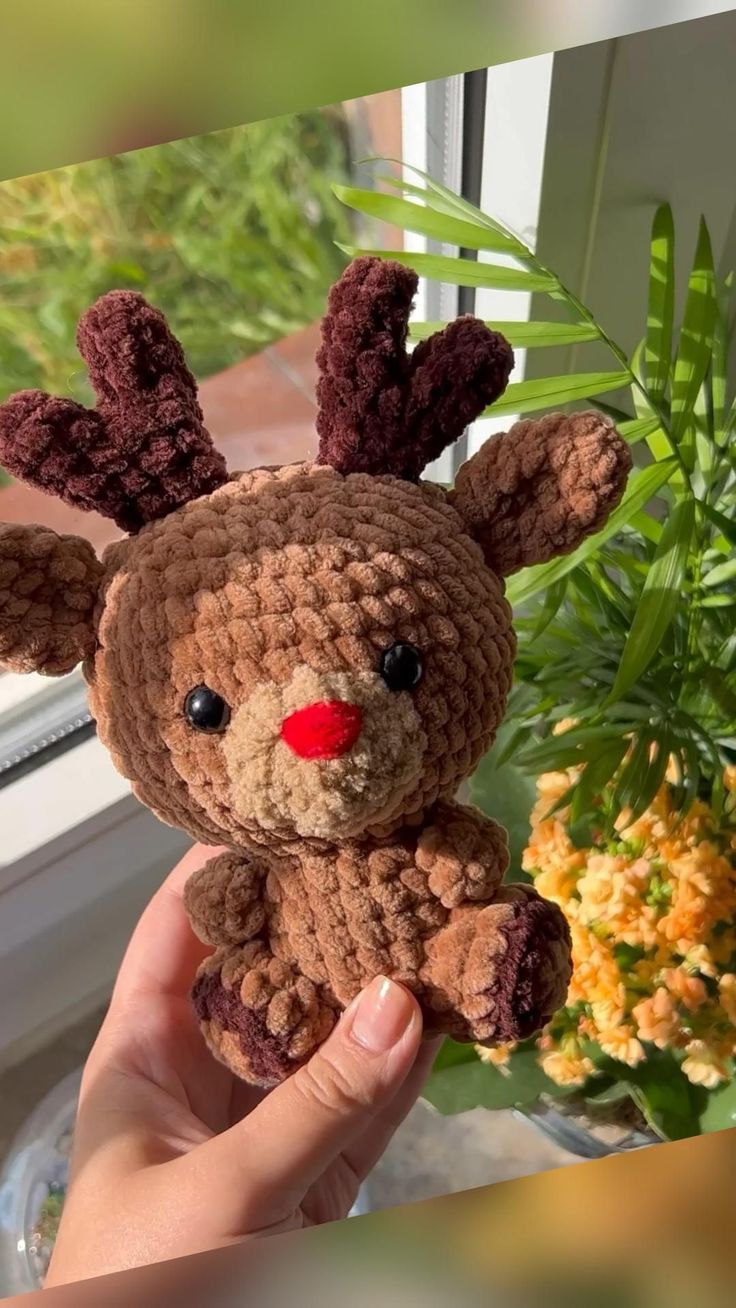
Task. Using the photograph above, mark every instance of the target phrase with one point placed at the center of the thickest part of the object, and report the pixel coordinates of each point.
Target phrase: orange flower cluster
(653, 921)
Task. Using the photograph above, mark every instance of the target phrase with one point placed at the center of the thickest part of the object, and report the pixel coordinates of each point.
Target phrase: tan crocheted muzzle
(287, 786)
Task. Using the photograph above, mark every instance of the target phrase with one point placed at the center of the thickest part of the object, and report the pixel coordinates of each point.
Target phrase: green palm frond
(632, 636)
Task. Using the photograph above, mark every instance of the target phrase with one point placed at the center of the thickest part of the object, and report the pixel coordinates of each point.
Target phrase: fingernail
(382, 1014)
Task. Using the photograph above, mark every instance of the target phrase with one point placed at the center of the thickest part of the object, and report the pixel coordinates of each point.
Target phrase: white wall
(632, 122)
(515, 137)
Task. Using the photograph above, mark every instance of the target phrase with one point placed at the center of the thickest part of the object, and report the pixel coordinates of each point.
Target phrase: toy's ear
(541, 488)
(48, 590)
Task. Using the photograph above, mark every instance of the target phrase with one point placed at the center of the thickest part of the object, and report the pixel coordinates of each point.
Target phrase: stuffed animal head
(318, 651)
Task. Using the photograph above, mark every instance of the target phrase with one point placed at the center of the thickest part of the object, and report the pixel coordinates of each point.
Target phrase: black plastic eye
(401, 666)
(205, 710)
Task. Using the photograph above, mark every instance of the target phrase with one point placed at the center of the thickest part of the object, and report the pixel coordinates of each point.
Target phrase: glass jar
(33, 1183)
(579, 1130)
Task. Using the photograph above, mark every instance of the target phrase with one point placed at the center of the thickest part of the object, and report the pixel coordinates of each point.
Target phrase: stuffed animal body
(303, 664)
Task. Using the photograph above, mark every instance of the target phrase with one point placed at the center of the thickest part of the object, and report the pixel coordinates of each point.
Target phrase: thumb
(267, 1163)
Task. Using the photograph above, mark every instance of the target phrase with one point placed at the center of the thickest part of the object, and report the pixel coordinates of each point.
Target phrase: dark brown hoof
(238, 1036)
(536, 972)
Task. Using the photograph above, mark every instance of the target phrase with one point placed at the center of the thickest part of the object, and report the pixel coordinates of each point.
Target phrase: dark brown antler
(144, 451)
(381, 409)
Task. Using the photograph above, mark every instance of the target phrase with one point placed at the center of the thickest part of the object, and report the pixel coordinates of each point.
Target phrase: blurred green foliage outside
(231, 234)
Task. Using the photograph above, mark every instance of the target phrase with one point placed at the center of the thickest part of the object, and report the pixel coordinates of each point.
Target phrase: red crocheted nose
(324, 730)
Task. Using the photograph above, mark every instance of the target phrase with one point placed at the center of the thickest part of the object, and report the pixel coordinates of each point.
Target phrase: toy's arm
(224, 899)
(463, 854)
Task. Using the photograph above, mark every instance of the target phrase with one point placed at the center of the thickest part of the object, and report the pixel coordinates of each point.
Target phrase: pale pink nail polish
(382, 1015)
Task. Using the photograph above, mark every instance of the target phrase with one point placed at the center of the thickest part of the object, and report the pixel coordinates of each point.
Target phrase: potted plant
(615, 771)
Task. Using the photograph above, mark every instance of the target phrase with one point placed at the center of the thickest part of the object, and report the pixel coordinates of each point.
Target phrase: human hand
(173, 1155)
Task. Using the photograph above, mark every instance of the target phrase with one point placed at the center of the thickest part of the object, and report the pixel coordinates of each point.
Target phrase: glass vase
(573, 1127)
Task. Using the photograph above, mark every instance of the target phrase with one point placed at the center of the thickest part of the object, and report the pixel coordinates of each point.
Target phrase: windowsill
(81, 858)
(16, 689)
(55, 798)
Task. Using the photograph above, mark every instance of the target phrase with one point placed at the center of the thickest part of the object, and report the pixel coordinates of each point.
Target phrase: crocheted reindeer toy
(303, 663)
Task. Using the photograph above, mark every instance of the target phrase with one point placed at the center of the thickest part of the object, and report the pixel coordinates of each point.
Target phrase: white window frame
(432, 127)
(517, 102)
(79, 858)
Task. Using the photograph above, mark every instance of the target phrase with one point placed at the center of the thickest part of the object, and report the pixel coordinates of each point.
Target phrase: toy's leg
(259, 1015)
(497, 972)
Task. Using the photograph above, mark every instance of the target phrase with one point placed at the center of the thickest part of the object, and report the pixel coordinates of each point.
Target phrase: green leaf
(719, 1112)
(459, 1088)
(435, 201)
(457, 1084)
(426, 221)
(642, 486)
(450, 202)
(719, 362)
(453, 1054)
(643, 772)
(570, 748)
(620, 416)
(726, 525)
(671, 1105)
(655, 773)
(505, 793)
(647, 526)
(523, 335)
(721, 692)
(511, 744)
(642, 403)
(428, 196)
(597, 773)
(462, 272)
(688, 779)
(550, 392)
(721, 572)
(660, 595)
(660, 311)
(637, 429)
(696, 335)
(607, 1092)
(553, 599)
(631, 780)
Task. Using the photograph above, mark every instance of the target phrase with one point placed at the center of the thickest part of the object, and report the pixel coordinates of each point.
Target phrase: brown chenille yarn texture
(382, 409)
(48, 591)
(543, 488)
(270, 593)
(144, 449)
